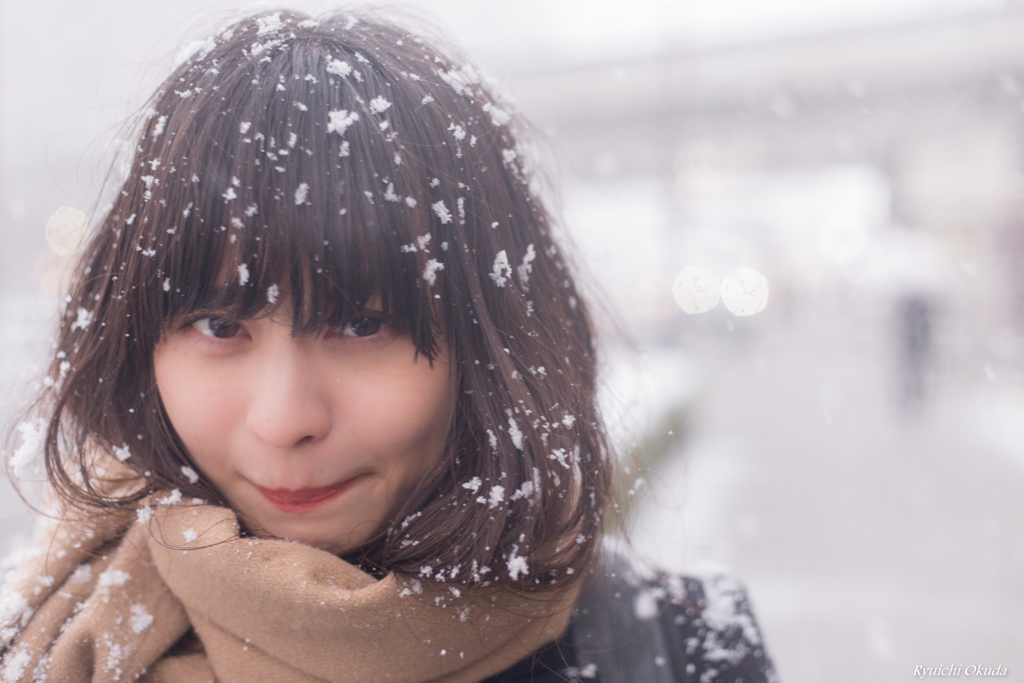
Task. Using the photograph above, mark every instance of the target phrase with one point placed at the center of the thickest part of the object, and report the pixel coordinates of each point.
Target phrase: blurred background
(804, 221)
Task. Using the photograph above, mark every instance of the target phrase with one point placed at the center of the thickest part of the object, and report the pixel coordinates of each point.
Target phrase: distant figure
(915, 331)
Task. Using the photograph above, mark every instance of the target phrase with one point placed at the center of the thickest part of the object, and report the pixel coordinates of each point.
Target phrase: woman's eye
(218, 328)
(363, 326)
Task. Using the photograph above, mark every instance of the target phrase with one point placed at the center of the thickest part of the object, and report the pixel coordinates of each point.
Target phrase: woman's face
(319, 439)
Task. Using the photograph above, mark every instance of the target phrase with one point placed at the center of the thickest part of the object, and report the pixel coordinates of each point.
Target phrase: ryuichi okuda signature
(952, 670)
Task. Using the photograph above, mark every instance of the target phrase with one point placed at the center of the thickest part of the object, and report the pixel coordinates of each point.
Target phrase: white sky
(60, 58)
(581, 30)
(70, 71)
(119, 32)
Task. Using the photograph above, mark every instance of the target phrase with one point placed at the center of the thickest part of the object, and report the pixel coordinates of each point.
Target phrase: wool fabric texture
(103, 599)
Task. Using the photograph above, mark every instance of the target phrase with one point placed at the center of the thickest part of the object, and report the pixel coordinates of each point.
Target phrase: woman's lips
(306, 499)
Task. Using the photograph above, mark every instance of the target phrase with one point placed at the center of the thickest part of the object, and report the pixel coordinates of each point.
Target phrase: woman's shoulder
(666, 628)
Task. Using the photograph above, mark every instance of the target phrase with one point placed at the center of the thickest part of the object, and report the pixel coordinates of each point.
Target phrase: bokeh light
(695, 289)
(745, 292)
(65, 230)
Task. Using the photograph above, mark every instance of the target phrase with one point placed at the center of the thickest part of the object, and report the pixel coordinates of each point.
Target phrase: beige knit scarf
(104, 601)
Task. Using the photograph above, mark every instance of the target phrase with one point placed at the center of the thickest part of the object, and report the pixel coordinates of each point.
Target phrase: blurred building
(882, 161)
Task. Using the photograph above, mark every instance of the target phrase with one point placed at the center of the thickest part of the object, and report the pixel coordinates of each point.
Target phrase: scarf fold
(104, 600)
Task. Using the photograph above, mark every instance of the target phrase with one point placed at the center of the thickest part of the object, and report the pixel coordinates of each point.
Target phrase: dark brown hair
(341, 159)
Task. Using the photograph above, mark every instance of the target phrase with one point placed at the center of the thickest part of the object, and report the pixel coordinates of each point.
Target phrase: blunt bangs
(288, 174)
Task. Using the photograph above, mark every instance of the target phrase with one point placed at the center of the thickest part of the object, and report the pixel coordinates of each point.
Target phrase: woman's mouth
(305, 499)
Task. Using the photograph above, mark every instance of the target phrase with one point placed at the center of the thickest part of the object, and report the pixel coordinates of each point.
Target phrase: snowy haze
(72, 73)
(853, 451)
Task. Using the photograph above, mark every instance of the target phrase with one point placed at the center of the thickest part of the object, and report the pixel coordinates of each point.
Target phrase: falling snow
(83, 319)
(560, 456)
(141, 619)
(496, 496)
(514, 432)
(340, 120)
(113, 577)
(461, 79)
(524, 491)
(442, 211)
(14, 613)
(379, 105)
(301, 192)
(517, 566)
(81, 574)
(173, 498)
(501, 271)
(526, 267)
(16, 665)
(268, 24)
(33, 433)
(430, 272)
(336, 66)
(499, 117)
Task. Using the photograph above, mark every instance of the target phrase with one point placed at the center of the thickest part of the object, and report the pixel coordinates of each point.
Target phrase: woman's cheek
(199, 398)
(405, 407)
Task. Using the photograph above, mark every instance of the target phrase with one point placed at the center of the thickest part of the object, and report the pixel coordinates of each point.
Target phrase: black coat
(672, 629)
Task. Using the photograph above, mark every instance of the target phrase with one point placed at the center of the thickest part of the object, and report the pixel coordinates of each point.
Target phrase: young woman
(322, 406)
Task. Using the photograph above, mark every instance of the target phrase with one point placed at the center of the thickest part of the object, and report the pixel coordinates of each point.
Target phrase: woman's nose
(287, 406)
